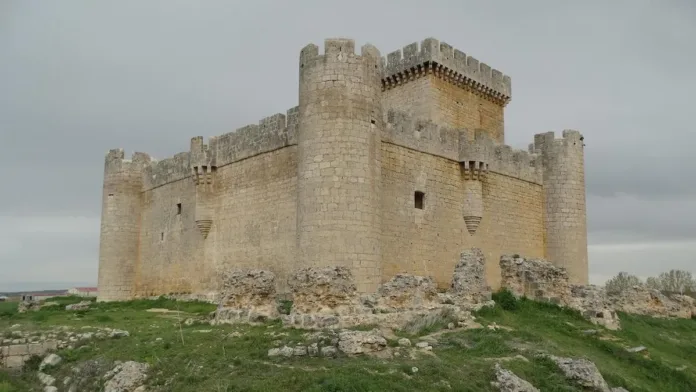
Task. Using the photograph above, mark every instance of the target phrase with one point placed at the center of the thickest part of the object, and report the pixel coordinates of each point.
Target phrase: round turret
(338, 183)
(564, 202)
(120, 225)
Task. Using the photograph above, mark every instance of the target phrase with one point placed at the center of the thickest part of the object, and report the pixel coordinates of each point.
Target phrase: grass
(214, 358)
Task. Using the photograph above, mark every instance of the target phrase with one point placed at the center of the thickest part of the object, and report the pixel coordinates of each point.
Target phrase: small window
(418, 200)
(178, 208)
(162, 236)
(111, 195)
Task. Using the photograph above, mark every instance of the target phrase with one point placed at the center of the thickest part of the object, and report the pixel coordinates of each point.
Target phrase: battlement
(548, 140)
(115, 160)
(338, 49)
(441, 59)
(270, 133)
(454, 144)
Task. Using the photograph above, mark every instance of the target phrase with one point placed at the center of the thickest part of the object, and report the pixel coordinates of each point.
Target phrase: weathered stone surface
(469, 278)
(78, 306)
(247, 296)
(361, 342)
(127, 377)
(507, 381)
(594, 305)
(405, 292)
(535, 278)
(50, 360)
(323, 290)
(649, 302)
(583, 372)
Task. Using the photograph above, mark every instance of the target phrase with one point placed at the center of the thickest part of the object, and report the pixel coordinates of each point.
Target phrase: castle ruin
(388, 165)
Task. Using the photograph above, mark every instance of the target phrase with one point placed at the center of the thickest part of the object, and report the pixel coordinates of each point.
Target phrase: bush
(284, 306)
(506, 299)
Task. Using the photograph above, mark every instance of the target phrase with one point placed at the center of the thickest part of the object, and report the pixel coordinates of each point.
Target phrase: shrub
(506, 299)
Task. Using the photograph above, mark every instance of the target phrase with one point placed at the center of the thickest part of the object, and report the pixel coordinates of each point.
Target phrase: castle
(387, 165)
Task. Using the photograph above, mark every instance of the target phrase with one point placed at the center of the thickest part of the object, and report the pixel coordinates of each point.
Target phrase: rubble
(507, 381)
(247, 296)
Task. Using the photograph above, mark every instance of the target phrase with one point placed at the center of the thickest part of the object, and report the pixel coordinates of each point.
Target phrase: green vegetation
(234, 357)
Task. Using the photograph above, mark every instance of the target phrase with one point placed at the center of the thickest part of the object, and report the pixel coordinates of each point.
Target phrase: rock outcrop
(507, 381)
(649, 302)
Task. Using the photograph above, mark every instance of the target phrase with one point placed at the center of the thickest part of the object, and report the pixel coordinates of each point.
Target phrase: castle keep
(387, 165)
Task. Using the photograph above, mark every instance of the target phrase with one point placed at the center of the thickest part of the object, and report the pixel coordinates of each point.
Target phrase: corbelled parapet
(439, 58)
(478, 155)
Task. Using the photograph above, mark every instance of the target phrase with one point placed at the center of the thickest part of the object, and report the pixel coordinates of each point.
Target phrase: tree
(621, 282)
(674, 281)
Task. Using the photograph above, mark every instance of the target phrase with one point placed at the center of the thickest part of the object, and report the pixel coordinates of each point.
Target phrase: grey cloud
(83, 77)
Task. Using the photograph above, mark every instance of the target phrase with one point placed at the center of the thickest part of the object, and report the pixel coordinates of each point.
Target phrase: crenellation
(387, 165)
(422, 135)
(446, 61)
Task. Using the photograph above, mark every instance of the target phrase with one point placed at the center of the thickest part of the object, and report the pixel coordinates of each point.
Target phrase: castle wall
(255, 215)
(429, 241)
(431, 97)
(120, 224)
(340, 126)
(171, 247)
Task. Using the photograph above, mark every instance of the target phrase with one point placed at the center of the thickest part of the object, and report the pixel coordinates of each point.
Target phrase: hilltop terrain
(181, 351)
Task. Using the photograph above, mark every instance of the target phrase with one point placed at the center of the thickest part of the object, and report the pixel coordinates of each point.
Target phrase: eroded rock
(127, 377)
(507, 381)
(361, 342)
(583, 372)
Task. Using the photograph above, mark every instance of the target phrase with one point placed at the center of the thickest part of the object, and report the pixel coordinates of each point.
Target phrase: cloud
(83, 77)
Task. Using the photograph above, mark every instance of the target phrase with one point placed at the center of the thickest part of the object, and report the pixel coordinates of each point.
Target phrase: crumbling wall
(535, 278)
(247, 296)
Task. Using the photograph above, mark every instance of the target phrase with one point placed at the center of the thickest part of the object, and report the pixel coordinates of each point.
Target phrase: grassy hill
(202, 357)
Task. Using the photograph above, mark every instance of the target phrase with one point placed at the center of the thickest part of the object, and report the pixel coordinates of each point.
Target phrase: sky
(80, 77)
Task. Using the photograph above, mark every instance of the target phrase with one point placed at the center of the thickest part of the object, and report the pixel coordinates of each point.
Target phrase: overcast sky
(80, 77)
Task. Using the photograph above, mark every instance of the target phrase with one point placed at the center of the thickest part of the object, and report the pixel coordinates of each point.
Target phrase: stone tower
(338, 182)
(120, 224)
(564, 202)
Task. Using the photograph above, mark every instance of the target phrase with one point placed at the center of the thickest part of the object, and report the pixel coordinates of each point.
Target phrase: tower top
(433, 55)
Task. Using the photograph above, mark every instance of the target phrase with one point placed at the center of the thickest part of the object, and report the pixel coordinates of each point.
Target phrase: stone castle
(388, 165)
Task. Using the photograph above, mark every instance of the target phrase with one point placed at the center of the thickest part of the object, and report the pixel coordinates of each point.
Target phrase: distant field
(234, 358)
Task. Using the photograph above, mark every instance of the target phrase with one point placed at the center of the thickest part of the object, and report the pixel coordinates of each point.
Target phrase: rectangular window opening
(162, 236)
(178, 208)
(418, 199)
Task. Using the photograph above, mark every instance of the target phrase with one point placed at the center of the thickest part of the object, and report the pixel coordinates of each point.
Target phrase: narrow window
(111, 194)
(418, 199)
(178, 208)
(162, 236)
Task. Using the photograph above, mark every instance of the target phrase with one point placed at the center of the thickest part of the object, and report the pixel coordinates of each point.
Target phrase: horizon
(76, 84)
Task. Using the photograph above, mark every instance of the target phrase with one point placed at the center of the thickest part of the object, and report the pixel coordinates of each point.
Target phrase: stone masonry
(388, 166)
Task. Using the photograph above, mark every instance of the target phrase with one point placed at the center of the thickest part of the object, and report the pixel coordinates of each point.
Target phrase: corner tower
(338, 183)
(564, 202)
(120, 224)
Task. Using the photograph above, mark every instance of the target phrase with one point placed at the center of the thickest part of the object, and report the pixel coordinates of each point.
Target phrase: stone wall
(428, 241)
(13, 356)
(334, 182)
